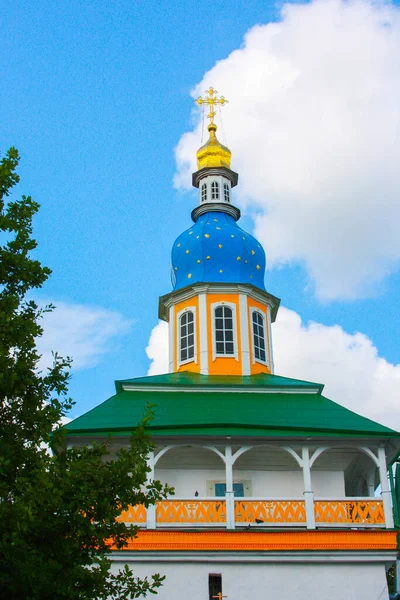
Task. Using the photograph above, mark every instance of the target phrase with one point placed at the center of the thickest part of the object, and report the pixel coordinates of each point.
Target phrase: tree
(57, 510)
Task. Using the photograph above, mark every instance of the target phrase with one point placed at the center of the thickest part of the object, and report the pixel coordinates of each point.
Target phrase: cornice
(191, 291)
(207, 171)
(207, 207)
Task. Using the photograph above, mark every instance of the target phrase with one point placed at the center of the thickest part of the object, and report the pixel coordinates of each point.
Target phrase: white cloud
(348, 364)
(84, 333)
(313, 125)
(157, 349)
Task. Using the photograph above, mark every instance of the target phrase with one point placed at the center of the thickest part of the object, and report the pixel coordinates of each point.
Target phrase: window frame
(253, 310)
(247, 487)
(203, 193)
(215, 195)
(178, 321)
(233, 307)
(227, 193)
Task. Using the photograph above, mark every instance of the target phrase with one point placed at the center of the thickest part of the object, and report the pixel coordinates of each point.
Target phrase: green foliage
(57, 510)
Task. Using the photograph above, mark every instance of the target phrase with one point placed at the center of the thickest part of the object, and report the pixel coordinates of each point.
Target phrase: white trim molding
(266, 362)
(179, 315)
(233, 307)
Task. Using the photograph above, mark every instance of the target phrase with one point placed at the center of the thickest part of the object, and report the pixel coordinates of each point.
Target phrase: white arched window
(259, 341)
(226, 193)
(224, 331)
(187, 341)
(215, 190)
(204, 192)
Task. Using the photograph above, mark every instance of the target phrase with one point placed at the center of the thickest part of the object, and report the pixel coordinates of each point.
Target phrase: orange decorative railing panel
(134, 514)
(191, 511)
(349, 512)
(270, 511)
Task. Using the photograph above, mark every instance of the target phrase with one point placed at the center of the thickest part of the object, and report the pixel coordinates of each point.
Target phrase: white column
(385, 491)
(371, 482)
(229, 496)
(270, 348)
(171, 338)
(151, 510)
(203, 333)
(308, 492)
(244, 334)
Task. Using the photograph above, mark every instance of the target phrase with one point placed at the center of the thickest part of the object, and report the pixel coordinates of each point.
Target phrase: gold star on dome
(216, 220)
(207, 235)
(208, 257)
(187, 251)
(221, 271)
(198, 262)
(219, 228)
(243, 238)
(258, 267)
(197, 237)
(190, 232)
(232, 235)
(189, 275)
(253, 252)
(176, 268)
(238, 258)
(178, 245)
(219, 245)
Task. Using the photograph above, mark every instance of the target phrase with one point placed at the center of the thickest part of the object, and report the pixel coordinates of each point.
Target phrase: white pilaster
(203, 333)
(270, 348)
(385, 491)
(308, 492)
(171, 338)
(244, 334)
(229, 497)
(151, 510)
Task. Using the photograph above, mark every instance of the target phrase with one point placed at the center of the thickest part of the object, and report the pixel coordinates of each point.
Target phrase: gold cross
(212, 100)
(219, 596)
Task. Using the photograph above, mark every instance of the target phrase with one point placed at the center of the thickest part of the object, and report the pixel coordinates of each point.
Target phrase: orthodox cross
(219, 595)
(212, 100)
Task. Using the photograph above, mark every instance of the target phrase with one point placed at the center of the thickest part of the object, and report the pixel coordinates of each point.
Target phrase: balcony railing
(259, 512)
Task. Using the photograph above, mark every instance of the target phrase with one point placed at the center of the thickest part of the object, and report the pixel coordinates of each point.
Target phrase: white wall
(264, 484)
(274, 581)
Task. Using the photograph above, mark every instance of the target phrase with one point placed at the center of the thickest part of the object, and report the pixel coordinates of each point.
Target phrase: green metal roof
(186, 378)
(259, 405)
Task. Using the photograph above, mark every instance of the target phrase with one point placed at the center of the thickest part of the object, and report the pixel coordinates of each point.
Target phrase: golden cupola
(213, 153)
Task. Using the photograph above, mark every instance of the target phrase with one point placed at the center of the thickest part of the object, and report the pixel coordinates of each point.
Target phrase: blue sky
(96, 96)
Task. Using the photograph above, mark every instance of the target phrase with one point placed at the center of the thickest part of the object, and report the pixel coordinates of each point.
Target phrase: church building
(280, 493)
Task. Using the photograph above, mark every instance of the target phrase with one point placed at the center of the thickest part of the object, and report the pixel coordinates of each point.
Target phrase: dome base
(229, 209)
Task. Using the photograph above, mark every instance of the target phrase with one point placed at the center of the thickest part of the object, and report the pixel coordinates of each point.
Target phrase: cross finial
(212, 100)
(219, 596)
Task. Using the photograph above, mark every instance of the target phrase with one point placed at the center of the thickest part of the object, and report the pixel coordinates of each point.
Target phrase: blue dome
(217, 250)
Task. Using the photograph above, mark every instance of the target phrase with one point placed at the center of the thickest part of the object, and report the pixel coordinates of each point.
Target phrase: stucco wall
(271, 581)
(264, 484)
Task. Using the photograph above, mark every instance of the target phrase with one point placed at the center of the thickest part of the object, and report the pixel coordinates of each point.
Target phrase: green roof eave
(188, 379)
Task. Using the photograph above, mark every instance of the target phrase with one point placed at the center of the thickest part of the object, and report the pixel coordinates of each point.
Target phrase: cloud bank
(85, 333)
(313, 125)
(348, 364)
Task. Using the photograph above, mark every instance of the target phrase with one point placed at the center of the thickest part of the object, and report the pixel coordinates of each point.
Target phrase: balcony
(261, 513)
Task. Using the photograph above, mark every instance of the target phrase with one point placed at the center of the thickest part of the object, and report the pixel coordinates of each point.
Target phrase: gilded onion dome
(213, 153)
